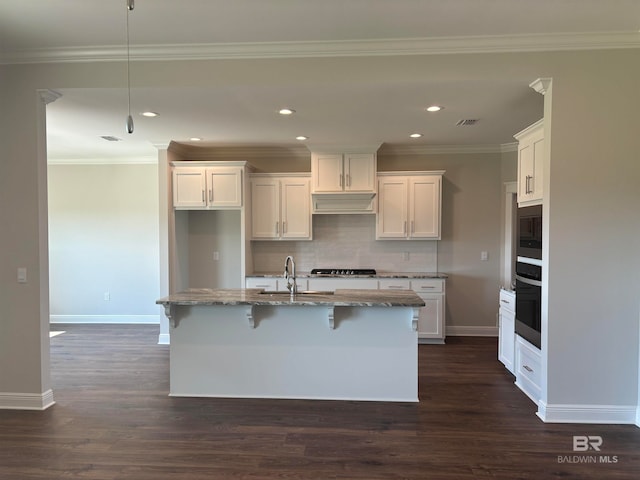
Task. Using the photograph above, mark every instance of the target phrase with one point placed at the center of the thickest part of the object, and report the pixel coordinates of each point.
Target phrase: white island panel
(292, 352)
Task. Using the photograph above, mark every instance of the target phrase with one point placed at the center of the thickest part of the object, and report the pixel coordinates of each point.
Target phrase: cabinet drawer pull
(396, 287)
(427, 287)
(528, 368)
(504, 301)
(266, 285)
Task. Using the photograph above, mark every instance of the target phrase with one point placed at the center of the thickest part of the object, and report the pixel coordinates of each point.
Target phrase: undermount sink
(301, 292)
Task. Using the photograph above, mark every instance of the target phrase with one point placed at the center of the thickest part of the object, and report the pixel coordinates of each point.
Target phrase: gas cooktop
(343, 271)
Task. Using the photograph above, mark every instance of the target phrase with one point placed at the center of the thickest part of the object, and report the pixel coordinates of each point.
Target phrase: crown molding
(541, 85)
(104, 161)
(237, 152)
(346, 48)
(388, 149)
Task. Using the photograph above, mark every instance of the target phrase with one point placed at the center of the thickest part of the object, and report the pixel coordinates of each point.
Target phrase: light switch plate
(22, 275)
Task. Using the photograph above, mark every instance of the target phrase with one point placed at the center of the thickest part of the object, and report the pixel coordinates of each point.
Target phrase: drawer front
(529, 364)
(265, 283)
(338, 283)
(394, 284)
(434, 285)
(508, 300)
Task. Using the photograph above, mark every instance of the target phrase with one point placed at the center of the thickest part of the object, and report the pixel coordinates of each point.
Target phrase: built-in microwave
(529, 235)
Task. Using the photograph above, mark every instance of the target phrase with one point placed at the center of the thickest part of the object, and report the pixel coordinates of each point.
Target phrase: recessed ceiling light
(302, 137)
(149, 114)
(415, 135)
(434, 108)
(286, 111)
(195, 139)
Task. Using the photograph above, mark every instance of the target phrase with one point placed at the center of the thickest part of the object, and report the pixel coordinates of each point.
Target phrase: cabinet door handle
(413, 227)
(341, 180)
(404, 228)
(277, 228)
(203, 196)
(348, 180)
(528, 368)
(211, 194)
(528, 184)
(284, 227)
(504, 301)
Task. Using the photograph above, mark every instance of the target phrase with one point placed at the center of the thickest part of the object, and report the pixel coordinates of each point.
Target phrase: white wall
(103, 239)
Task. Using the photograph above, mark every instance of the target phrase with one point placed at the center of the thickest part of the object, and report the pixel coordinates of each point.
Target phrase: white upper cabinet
(530, 164)
(280, 207)
(343, 172)
(198, 187)
(409, 206)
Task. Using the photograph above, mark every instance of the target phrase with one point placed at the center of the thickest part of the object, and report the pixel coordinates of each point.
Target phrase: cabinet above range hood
(344, 182)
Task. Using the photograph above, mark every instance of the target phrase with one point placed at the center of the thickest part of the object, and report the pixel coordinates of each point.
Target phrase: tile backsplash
(346, 241)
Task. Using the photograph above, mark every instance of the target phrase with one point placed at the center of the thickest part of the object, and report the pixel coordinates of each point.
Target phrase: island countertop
(257, 296)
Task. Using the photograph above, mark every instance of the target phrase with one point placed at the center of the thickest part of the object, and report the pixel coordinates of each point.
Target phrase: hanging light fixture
(130, 6)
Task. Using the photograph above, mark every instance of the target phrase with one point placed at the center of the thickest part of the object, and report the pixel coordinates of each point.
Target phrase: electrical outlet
(484, 256)
(216, 256)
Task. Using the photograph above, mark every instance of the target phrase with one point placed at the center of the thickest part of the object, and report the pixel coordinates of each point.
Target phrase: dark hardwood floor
(114, 420)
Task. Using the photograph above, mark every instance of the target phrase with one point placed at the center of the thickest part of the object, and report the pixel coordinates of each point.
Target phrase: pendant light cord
(130, 6)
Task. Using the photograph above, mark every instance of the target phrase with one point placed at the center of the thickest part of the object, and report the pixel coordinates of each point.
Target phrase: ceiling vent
(110, 138)
(466, 121)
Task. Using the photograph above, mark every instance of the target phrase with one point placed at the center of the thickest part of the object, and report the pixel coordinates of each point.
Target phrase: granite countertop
(253, 296)
(417, 275)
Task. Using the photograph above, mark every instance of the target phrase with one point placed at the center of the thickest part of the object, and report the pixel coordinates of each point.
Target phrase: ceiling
(378, 111)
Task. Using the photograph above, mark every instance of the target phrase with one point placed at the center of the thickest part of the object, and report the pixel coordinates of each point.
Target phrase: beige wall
(471, 205)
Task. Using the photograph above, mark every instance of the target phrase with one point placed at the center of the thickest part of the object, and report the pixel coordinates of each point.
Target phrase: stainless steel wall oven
(529, 302)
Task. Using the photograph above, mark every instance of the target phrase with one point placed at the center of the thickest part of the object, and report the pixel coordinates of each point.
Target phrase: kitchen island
(342, 345)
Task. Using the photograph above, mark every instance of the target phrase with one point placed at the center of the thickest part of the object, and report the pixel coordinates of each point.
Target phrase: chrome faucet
(290, 275)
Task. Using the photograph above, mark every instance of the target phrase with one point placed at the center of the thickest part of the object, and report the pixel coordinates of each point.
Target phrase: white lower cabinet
(431, 319)
(506, 329)
(528, 365)
(431, 327)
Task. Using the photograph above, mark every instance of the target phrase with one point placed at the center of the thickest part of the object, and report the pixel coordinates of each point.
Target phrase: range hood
(343, 202)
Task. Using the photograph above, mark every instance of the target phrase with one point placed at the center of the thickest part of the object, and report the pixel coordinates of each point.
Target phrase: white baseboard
(471, 331)
(609, 414)
(164, 339)
(638, 415)
(26, 401)
(136, 319)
